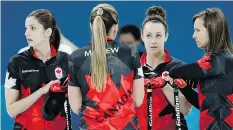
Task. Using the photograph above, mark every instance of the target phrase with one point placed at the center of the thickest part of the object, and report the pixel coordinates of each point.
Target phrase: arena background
(73, 21)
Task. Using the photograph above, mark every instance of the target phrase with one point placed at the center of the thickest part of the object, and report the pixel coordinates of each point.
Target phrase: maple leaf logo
(103, 99)
(9, 81)
(112, 101)
(58, 70)
(111, 94)
(58, 73)
(25, 91)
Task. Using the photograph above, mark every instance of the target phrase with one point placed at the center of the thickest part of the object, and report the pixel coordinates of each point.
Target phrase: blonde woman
(106, 78)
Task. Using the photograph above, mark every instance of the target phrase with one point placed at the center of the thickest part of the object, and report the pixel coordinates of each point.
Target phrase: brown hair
(48, 20)
(217, 26)
(156, 14)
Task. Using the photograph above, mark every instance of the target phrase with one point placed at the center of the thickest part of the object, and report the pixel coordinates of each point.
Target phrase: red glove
(57, 88)
(204, 62)
(156, 82)
(180, 83)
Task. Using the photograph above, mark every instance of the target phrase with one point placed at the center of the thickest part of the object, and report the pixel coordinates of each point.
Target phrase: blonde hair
(102, 18)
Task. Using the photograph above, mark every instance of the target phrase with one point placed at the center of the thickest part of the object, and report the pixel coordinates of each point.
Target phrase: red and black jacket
(215, 89)
(114, 107)
(27, 73)
(163, 113)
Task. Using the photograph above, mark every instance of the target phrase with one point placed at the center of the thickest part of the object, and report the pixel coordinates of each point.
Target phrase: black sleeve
(189, 93)
(199, 70)
(138, 72)
(12, 79)
(187, 71)
(72, 76)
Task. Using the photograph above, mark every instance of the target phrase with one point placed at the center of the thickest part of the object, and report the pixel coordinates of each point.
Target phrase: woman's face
(154, 37)
(35, 32)
(200, 34)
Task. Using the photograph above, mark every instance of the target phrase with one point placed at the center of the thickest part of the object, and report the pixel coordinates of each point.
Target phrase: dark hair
(132, 29)
(217, 26)
(103, 17)
(48, 20)
(156, 14)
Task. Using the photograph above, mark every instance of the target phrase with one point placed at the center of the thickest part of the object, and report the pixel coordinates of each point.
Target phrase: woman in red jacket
(156, 60)
(31, 73)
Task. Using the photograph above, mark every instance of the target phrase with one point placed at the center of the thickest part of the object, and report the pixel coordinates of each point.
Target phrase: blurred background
(73, 21)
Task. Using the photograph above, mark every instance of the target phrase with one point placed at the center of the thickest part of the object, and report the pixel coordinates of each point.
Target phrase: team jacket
(113, 108)
(27, 73)
(215, 89)
(163, 113)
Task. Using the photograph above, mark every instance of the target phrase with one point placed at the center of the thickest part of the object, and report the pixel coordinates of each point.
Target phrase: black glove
(54, 101)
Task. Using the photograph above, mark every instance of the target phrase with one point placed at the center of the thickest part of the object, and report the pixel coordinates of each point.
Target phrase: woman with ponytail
(32, 73)
(106, 78)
